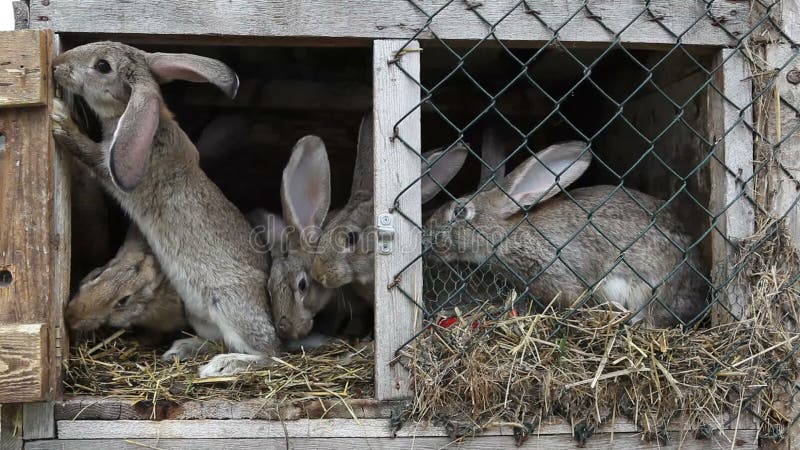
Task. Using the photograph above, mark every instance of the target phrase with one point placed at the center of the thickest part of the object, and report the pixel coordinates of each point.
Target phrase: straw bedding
(482, 371)
(119, 367)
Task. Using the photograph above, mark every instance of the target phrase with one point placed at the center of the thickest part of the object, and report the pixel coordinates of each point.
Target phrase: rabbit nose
(62, 73)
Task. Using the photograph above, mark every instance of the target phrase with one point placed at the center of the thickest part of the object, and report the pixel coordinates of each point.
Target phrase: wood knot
(793, 76)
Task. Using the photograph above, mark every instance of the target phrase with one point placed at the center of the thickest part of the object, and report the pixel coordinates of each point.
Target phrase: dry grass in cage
(477, 372)
(118, 367)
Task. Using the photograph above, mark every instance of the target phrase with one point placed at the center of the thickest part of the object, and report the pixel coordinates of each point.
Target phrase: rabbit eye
(122, 302)
(460, 212)
(302, 285)
(102, 66)
(352, 238)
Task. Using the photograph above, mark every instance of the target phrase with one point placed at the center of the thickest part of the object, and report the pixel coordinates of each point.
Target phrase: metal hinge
(385, 231)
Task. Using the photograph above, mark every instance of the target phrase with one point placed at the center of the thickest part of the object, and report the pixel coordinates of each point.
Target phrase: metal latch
(385, 230)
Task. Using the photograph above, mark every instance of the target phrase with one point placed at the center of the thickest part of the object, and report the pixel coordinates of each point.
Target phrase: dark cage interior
(644, 113)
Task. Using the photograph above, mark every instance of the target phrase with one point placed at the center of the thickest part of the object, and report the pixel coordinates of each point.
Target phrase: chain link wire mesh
(655, 119)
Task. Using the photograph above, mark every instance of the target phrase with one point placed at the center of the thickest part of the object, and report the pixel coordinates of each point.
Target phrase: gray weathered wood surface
(328, 428)
(396, 96)
(96, 408)
(38, 421)
(62, 242)
(742, 440)
(400, 19)
(783, 187)
(731, 174)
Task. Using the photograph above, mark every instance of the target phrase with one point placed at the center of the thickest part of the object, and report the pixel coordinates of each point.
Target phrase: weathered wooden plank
(396, 168)
(38, 421)
(327, 428)
(657, 23)
(783, 190)
(782, 179)
(24, 76)
(21, 14)
(743, 440)
(244, 429)
(62, 242)
(94, 408)
(731, 174)
(23, 363)
(31, 250)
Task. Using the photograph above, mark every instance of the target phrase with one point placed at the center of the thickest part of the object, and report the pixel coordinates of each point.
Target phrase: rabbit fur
(540, 233)
(149, 165)
(129, 291)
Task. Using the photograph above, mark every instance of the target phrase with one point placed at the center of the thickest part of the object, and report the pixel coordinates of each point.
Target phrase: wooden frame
(361, 21)
(730, 125)
(385, 25)
(95, 423)
(34, 216)
(396, 98)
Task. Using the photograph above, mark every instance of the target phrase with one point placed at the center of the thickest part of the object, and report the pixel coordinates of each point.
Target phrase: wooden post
(34, 240)
(396, 167)
(782, 190)
(731, 174)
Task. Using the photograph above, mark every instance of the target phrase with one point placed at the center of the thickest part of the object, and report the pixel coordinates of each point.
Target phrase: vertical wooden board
(396, 94)
(731, 178)
(24, 73)
(62, 233)
(783, 189)
(38, 421)
(33, 255)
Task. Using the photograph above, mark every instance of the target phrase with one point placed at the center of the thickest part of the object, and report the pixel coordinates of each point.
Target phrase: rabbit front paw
(232, 363)
(63, 125)
(184, 349)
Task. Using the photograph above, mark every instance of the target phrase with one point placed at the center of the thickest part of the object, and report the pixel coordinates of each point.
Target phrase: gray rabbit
(296, 298)
(562, 244)
(151, 167)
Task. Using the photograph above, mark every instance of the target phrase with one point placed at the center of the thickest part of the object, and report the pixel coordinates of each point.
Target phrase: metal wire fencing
(607, 174)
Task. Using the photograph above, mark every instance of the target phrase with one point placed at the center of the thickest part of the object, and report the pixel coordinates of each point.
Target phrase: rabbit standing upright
(345, 252)
(151, 167)
(618, 241)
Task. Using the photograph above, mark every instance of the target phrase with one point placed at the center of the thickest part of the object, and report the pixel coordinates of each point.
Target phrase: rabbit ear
(306, 184)
(133, 137)
(492, 155)
(199, 69)
(542, 176)
(444, 166)
(362, 175)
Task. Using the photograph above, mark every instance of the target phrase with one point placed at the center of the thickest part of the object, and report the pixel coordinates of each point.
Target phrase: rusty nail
(793, 76)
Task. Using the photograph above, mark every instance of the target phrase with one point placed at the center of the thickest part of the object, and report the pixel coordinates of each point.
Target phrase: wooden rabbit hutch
(316, 67)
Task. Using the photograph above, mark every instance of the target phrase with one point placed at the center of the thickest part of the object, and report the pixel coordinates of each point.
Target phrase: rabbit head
(345, 251)
(129, 291)
(305, 196)
(469, 227)
(120, 84)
